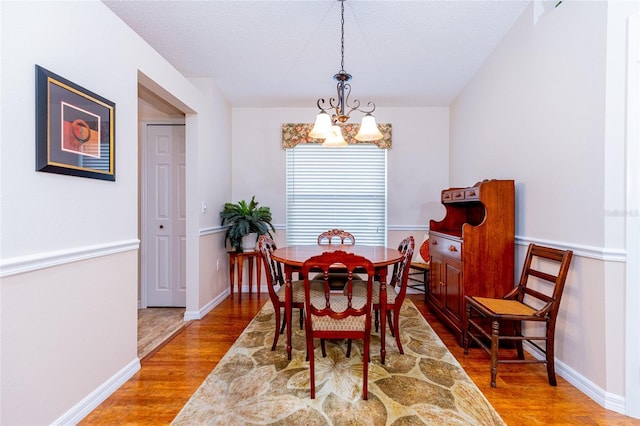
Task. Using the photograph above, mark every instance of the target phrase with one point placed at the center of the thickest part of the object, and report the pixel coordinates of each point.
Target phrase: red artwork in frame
(75, 129)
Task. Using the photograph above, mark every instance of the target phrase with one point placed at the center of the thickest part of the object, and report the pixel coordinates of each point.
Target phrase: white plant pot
(249, 242)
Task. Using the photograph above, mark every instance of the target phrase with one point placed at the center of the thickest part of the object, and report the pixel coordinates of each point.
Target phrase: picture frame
(75, 129)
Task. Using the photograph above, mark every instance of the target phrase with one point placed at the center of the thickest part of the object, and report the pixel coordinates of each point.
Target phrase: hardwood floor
(172, 374)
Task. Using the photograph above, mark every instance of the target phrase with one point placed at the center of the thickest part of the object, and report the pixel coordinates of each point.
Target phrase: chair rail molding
(424, 228)
(593, 252)
(33, 262)
(210, 230)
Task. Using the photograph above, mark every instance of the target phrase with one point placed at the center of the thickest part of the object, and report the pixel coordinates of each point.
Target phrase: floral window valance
(295, 133)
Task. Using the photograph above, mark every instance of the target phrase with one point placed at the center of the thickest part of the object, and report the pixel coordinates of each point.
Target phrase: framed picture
(75, 129)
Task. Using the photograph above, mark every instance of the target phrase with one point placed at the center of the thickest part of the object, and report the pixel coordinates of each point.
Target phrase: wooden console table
(236, 258)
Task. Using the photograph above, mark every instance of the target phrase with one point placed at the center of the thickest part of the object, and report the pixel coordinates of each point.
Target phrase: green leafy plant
(245, 218)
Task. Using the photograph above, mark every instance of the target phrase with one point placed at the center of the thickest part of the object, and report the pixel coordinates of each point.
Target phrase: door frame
(143, 204)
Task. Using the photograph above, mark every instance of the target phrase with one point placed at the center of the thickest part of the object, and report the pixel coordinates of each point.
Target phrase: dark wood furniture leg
(288, 271)
(232, 269)
(382, 272)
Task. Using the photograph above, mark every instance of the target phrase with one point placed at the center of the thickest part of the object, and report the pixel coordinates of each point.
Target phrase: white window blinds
(344, 188)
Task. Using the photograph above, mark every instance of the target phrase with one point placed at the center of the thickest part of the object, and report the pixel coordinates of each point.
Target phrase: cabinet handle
(453, 248)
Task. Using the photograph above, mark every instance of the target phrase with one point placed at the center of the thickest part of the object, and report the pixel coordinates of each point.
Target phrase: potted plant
(244, 219)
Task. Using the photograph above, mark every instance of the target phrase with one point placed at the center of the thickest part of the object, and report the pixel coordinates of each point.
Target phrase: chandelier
(326, 126)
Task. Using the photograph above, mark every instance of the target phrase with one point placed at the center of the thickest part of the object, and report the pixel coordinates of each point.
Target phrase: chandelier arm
(335, 104)
(370, 105)
(352, 107)
(322, 101)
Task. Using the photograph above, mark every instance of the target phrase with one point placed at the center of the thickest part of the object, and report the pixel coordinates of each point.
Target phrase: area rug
(254, 386)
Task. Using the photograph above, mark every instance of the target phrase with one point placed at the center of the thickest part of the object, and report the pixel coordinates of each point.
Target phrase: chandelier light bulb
(368, 129)
(322, 127)
(336, 139)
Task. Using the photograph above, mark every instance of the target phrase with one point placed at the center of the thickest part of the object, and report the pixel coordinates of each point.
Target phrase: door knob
(161, 226)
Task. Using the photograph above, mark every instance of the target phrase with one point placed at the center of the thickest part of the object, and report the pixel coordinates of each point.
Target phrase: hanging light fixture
(335, 138)
(326, 125)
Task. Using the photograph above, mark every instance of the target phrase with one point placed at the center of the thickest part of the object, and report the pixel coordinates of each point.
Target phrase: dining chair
(338, 277)
(276, 287)
(534, 302)
(332, 315)
(420, 269)
(333, 235)
(396, 290)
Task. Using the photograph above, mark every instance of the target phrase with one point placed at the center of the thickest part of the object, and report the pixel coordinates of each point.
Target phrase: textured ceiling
(271, 53)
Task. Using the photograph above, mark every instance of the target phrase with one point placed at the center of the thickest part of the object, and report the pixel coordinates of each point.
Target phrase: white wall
(70, 244)
(418, 162)
(66, 330)
(214, 189)
(540, 111)
(533, 113)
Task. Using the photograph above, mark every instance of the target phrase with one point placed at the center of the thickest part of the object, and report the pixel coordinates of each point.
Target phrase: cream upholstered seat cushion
(339, 303)
(298, 290)
(360, 290)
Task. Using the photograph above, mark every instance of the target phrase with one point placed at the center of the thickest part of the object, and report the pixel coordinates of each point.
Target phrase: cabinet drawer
(453, 195)
(452, 248)
(472, 194)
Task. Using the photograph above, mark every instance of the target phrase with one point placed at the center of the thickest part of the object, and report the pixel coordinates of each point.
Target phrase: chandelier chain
(342, 39)
(326, 126)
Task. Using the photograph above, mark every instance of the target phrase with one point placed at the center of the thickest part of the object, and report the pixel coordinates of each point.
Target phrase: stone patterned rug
(254, 386)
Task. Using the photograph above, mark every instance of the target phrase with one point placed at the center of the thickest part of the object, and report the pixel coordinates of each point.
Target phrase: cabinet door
(453, 289)
(436, 280)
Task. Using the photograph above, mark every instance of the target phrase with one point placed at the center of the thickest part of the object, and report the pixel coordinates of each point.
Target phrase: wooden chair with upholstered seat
(534, 303)
(338, 277)
(276, 287)
(396, 291)
(332, 315)
(420, 269)
(333, 235)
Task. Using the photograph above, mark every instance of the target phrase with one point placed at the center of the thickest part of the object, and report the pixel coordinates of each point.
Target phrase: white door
(165, 216)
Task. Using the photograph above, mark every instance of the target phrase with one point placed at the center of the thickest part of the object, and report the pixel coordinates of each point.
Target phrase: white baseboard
(98, 396)
(605, 399)
(95, 398)
(199, 314)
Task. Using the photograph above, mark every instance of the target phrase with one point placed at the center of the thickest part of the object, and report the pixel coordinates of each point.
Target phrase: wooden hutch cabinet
(471, 249)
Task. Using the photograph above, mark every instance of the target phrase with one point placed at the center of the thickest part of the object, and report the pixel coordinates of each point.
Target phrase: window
(343, 188)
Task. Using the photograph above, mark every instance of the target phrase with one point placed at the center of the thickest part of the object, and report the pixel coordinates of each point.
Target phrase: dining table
(292, 257)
